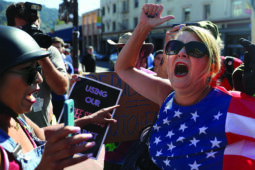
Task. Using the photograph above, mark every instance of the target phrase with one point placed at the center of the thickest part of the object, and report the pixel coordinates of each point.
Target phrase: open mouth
(30, 97)
(181, 70)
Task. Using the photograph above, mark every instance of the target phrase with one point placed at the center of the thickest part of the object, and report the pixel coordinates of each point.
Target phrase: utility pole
(252, 3)
(253, 26)
(68, 12)
(75, 36)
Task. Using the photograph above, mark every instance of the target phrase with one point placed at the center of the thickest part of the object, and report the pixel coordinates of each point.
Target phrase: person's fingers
(108, 109)
(245, 43)
(73, 149)
(65, 143)
(153, 11)
(110, 121)
(151, 15)
(167, 18)
(159, 10)
(55, 135)
(145, 9)
(108, 118)
(75, 78)
(55, 156)
(108, 115)
(105, 112)
(103, 116)
(177, 27)
(149, 10)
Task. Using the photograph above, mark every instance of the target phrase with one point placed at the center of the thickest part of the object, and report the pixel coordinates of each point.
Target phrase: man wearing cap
(58, 100)
(89, 60)
(60, 45)
(145, 51)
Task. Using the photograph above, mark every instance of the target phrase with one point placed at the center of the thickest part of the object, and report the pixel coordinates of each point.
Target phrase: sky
(84, 5)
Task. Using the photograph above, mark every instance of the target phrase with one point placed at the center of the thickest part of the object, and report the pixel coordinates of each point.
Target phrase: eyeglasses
(187, 24)
(30, 74)
(193, 48)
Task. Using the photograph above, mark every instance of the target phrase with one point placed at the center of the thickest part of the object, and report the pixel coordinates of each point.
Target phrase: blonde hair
(212, 45)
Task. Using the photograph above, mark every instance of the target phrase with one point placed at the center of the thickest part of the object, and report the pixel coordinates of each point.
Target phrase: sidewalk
(90, 164)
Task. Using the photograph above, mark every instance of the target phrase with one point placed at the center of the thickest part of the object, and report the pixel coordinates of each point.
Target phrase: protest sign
(89, 96)
(134, 113)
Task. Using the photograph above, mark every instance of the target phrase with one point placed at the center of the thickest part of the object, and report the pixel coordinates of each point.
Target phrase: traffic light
(65, 11)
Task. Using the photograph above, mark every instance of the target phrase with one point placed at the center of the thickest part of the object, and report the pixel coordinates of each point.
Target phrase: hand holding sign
(94, 105)
(101, 117)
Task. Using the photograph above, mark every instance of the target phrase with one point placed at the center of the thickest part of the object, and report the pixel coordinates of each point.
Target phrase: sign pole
(75, 36)
(253, 26)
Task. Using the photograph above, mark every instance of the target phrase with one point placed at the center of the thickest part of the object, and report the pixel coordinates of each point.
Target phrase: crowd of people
(205, 99)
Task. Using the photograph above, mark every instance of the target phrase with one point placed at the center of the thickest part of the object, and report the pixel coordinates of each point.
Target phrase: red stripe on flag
(242, 105)
(232, 138)
(236, 162)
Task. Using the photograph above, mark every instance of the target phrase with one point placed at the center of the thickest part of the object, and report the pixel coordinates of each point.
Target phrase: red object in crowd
(228, 64)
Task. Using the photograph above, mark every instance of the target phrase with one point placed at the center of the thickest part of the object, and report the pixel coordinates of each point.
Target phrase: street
(102, 66)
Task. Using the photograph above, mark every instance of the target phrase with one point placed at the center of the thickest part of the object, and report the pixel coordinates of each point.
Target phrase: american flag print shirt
(203, 136)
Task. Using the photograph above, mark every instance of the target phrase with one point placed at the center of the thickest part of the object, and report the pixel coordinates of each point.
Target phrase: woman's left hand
(74, 78)
(60, 148)
(151, 15)
(103, 116)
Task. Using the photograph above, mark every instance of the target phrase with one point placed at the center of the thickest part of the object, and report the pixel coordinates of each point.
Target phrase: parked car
(112, 61)
(98, 56)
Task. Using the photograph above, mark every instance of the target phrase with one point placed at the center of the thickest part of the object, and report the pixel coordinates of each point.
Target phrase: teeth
(30, 97)
(181, 69)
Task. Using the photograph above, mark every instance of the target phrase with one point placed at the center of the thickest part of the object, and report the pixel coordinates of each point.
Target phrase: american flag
(216, 133)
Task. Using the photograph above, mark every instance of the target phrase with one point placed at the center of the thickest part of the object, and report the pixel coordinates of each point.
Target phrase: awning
(66, 34)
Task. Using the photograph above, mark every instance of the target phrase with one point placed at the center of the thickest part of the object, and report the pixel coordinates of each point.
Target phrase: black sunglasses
(193, 48)
(30, 75)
